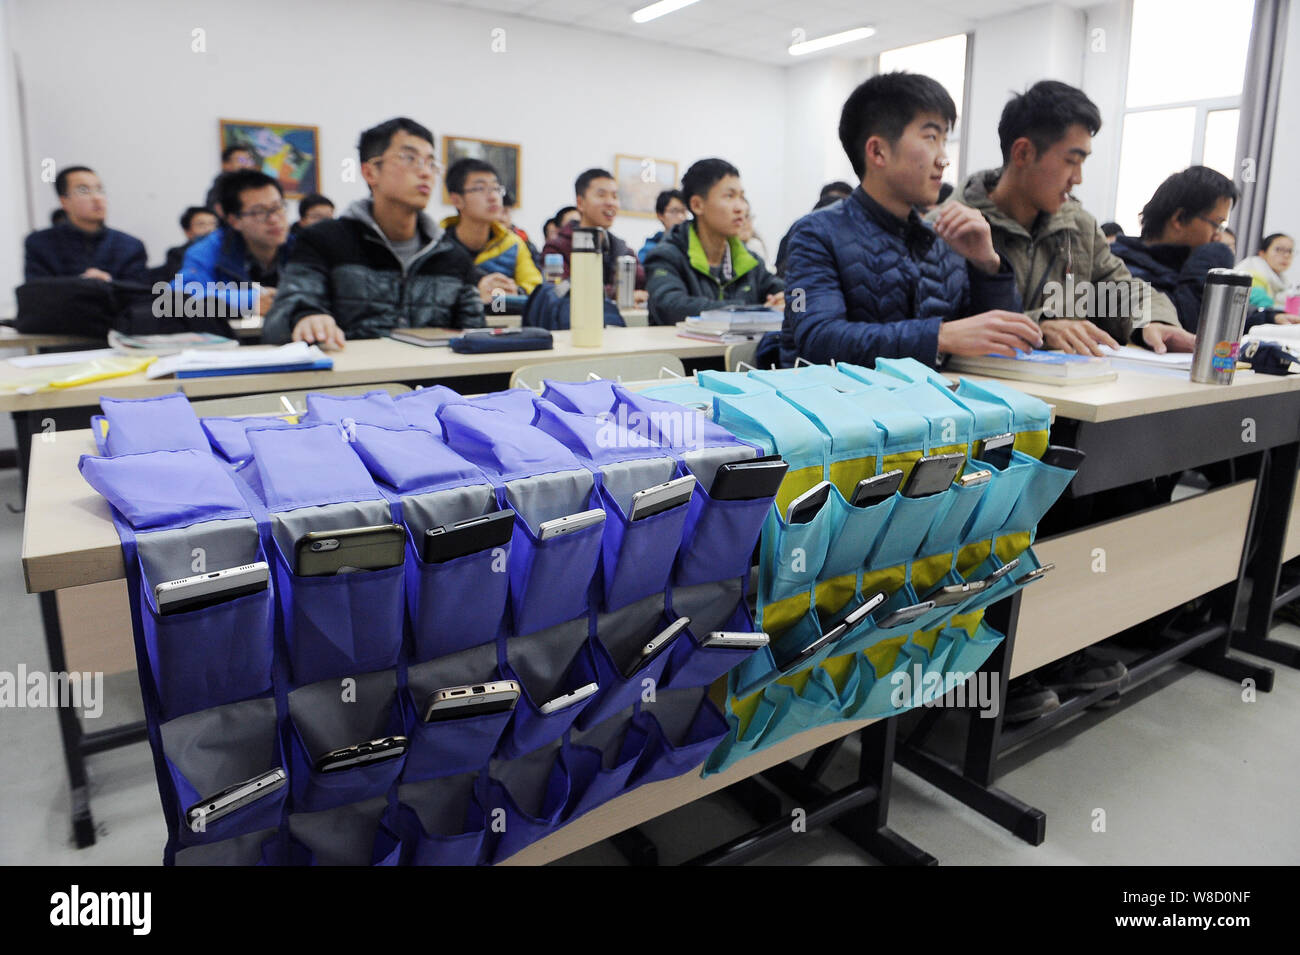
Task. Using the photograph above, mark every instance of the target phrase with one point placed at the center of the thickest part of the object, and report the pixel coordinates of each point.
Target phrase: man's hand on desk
(1160, 338)
(992, 333)
(775, 301)
(490, 283)
(639, 298)
(265, 298)
(97, 274)
(1075, 336)
(319, 330)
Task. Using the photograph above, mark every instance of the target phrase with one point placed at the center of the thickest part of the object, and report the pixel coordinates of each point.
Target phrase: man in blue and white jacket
(868, 278)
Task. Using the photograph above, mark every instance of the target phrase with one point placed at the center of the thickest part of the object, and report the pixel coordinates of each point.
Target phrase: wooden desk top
(363, 362)
(11, 338)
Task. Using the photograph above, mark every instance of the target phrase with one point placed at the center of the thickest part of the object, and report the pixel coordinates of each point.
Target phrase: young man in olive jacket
(383, 264)
(701, 263)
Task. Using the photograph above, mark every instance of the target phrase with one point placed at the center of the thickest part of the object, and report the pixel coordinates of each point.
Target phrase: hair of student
(232, 184)
(58, 216)
(1043, 113)
(839, 189)
(375, 140)
(188, 215)
(667, 196)
(61, 180)
(564, 211)
(508, 199)
(237, 148)
(460, 171)
(829, 200)
(1269, 239)
(703, 174)
(1194, 190)
(884, 105)
(310, 202)
(1109, 229)
(584, 181)
(549, 222)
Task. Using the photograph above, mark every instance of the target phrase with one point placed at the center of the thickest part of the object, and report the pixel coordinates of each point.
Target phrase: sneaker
(1028, 699)
(1085, 670)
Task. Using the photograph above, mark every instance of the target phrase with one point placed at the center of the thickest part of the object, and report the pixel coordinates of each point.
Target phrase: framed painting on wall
(503, 157)
(640, 180)
(289, 153)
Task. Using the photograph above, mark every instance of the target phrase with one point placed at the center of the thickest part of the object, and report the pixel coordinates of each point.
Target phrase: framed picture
(289, 153)
(503, 157)
(640, 180)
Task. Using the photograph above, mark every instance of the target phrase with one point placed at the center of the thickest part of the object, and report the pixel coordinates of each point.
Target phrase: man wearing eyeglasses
(500, 256)
(1182, 238)
(383, 263)
(83, 246)
(244, 258)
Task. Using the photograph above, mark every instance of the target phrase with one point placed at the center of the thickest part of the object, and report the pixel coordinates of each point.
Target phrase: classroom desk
(31, 344)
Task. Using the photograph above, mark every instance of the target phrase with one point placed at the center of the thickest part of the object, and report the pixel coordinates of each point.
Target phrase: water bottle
(586, 289)
(626, 281)
(553, 267)
(1218, 330)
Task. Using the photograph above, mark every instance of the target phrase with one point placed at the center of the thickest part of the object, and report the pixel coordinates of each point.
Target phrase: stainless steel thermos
(1218, 331)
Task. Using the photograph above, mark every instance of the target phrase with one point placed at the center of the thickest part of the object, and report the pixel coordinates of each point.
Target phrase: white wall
(13, 212)
(1011, 53)
(141, 107)
(815, 95)
(1283, 190)
(1105, 67)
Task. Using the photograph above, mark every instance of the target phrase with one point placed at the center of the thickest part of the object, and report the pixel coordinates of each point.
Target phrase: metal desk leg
(1272, 514)
(83, 826)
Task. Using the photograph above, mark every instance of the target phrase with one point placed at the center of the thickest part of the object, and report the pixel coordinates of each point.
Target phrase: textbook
(1042, 367)
(166, 344)
(246, 360)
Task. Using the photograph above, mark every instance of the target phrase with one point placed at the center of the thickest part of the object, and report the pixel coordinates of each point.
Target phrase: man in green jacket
(701, 264)
(1064, 268)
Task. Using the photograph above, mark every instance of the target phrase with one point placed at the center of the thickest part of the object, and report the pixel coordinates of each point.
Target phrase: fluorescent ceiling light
(835, 39)
(656, 10)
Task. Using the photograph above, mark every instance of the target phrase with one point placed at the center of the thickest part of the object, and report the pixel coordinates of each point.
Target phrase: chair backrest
(619, 367)
(271, 403)
(742, 351)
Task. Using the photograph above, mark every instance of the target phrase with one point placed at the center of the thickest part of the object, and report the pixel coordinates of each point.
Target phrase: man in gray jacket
(383, 264)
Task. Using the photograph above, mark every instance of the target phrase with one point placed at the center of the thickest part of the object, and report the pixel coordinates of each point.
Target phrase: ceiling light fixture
(656, 10)
(835, 39)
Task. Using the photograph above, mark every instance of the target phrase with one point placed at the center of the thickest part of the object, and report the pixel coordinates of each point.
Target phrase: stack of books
(166, 344)
(732, 324)
(1041, 367)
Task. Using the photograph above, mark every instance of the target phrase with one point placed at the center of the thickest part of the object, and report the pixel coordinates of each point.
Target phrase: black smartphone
(933, 474)
(1059, 456)
(749, 479)
(873, 490)
(469, 536)
(362, 754)
(805, 507)
(997, 450)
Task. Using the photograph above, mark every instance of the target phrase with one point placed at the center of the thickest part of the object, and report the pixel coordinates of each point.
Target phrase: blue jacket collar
(911, 230)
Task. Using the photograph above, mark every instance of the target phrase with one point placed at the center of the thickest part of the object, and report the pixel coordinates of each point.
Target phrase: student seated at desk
(670, 209)
(1044, 234)
(83, 246)
(596, 201)
(1267, 267)
(196, 222)
(867, 278)
(501, 259)
(312, 209)
(1182, 232)
(383, 264)
(248, 253)
(702, 263)
(233, 159)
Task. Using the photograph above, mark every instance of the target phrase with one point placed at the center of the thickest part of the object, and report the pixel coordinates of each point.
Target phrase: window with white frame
(1187, 62)
(943, 60)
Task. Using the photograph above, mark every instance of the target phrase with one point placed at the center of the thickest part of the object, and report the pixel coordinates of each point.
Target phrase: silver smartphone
(204, 590)
(568, 699)
(1034, 575)
(954, 594)
(221, 804)
(856, 615)
(734, 640)
(657, 645)
(569, 524)
(907, 614)
(805, 507)
(661, 497)
(473, 699)
(1002, 571)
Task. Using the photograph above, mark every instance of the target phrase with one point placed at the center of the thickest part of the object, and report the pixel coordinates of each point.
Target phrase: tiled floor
(1185, 771)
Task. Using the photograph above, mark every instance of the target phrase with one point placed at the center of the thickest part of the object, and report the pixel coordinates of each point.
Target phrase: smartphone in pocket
(207, 590)
(805, 507)
(654, 647)
(470, 536)
(324, 553)
(362, 754)
(232, 798)
(749, 479)
(569, 524)
(662, 497)
(474, 699)
(933, 473)
(875, 489)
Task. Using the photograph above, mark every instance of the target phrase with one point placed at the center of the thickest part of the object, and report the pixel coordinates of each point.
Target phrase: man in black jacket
(701, 263)
(383, 264)
(1182, 238)
(83, 246)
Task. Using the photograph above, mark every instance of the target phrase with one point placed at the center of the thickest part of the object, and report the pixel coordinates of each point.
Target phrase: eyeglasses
(262, 213)
(1218, 226)
(84, 191)
(413, 160)
(498, 191)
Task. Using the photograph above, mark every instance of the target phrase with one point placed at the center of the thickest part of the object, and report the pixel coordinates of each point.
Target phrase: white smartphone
(204, 590)
(907, 614)
(661, 497)
(235, 797)
(474, 699)
(734, 640)
(569, 524)
(856, 615)
(568, 699)
(657, 645)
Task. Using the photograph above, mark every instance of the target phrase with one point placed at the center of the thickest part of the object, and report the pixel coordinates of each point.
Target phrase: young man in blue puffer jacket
(868, 278)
